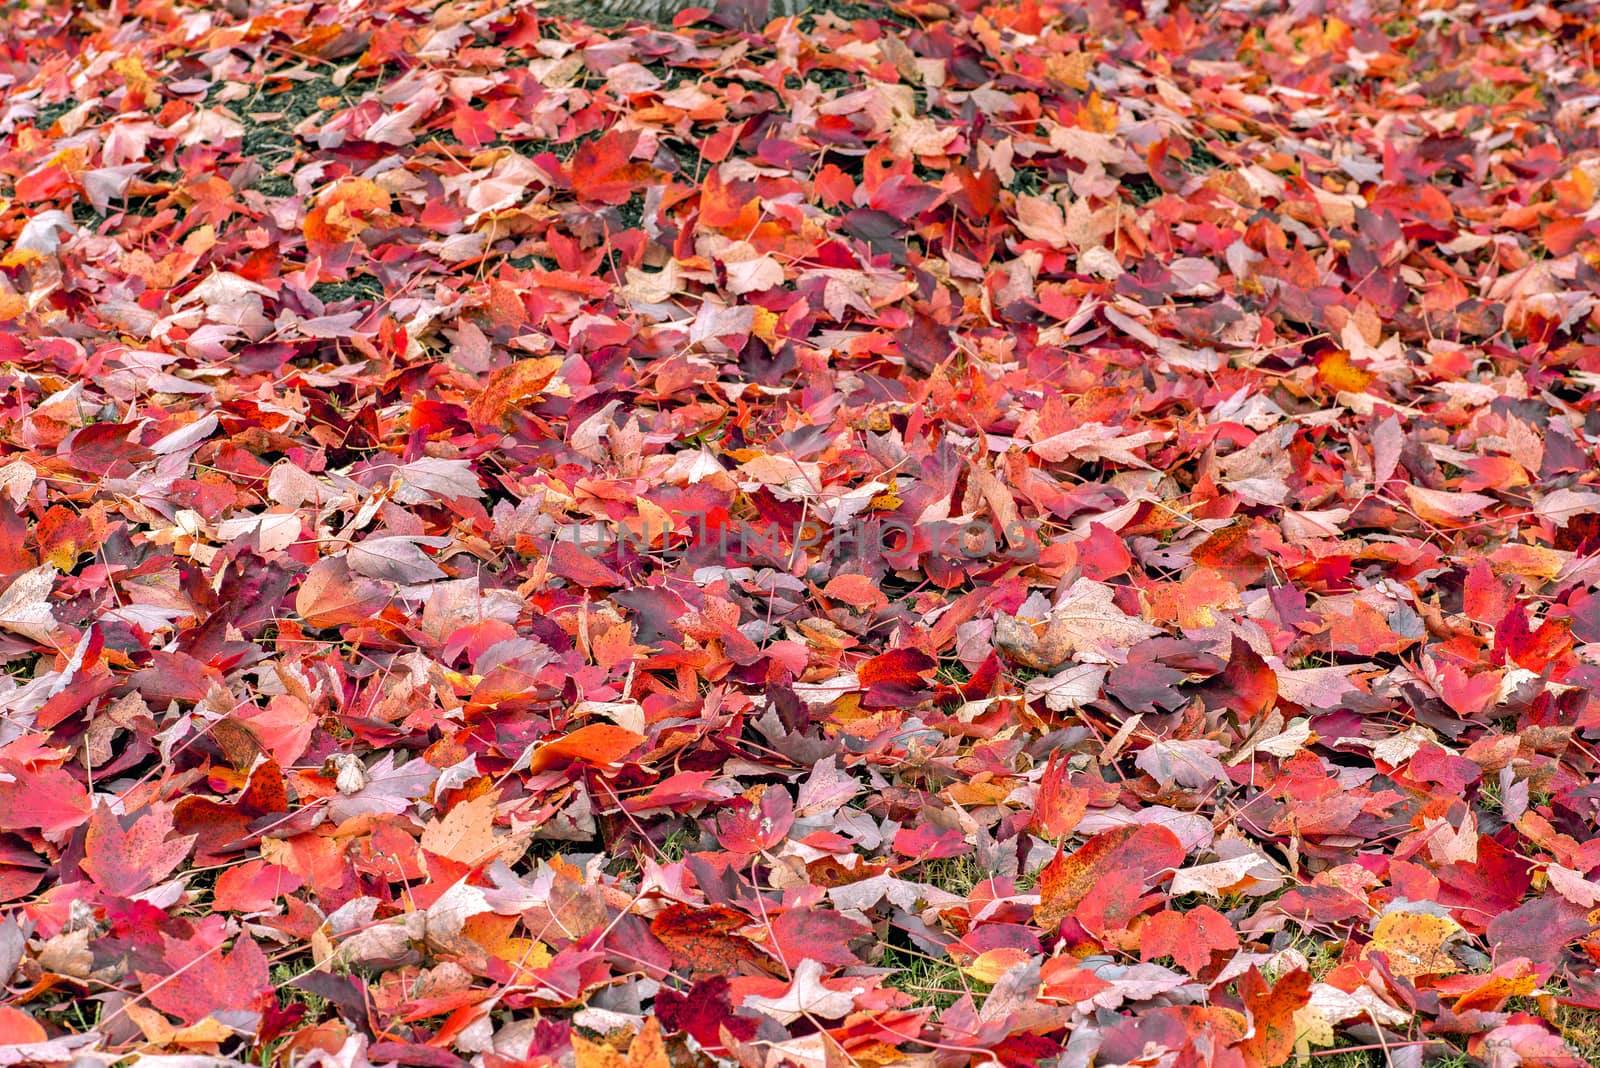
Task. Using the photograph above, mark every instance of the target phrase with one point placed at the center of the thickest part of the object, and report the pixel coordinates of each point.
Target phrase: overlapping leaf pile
(477, 492)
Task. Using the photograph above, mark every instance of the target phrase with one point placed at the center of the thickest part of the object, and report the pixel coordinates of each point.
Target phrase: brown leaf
(1085, 621)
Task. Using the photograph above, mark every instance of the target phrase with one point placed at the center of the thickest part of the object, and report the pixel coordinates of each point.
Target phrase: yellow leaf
(525, 955)
(1493, 993)
(875, 1054)
(991, 964)
(200, 241)
(160, 1031)
(888, 500)
(1311, 1028)
(1071, 70)
(337, 216)
(138, 81)
(1415, 943)
(765, 327)
(1338, 373)
(987, 792)
(1532, 561)
(651, 522)
(1583, 187)
(511, 387)
(1098, 115)
(645, 1051)
(589, 1054)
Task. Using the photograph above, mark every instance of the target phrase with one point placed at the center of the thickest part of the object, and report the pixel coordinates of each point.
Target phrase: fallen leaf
(25, 605)
(597, 744)
(806, 996)
(1084, 621)
(1144, 852)
(466, 833)
(1414, 943)
(126, 862)
(1190, 938)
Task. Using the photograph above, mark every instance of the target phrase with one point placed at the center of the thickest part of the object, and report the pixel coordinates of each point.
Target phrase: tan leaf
(982, 485)
(1221, 876)
(754, 275)
(1071, 688)
(1563, 505)
(1086, 621)
(466, 834)
(25, 606)
(1438, 506)
(1096, 441)
(1040, 219)
(448, 915)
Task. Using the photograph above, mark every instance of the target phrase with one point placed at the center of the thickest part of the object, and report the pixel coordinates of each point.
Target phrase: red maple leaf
(204, 979)
(127, 861)
(1187, 937)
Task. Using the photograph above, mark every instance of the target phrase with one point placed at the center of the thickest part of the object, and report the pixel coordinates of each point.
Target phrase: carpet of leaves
(925, 535)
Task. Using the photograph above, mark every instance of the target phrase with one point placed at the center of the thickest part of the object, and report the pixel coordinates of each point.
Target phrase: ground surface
(1198, 668)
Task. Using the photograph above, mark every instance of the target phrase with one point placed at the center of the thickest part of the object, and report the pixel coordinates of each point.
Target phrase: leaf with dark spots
(210, 980)
(125, 861)
(703, 941)
(1066, 881)
(704, 1011)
